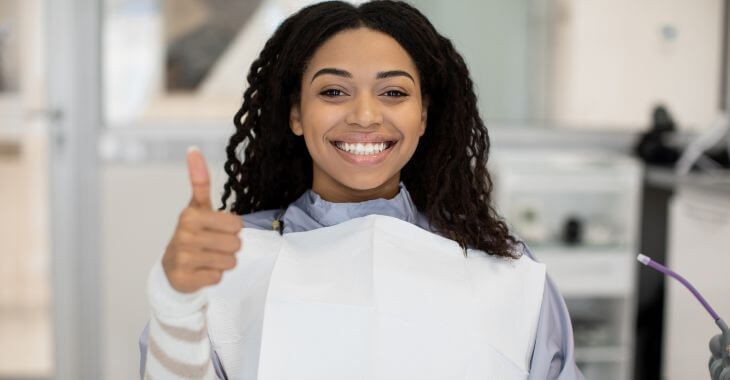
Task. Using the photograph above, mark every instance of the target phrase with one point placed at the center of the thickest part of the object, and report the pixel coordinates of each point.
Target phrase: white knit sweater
(178, 336)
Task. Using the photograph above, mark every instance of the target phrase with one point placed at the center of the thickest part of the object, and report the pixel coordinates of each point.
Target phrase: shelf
(539, 193)
(590, 272)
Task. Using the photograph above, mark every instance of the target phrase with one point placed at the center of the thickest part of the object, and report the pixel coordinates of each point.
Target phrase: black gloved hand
(720, 359)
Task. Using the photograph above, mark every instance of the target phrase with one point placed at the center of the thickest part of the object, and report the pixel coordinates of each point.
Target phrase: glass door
(26, 332)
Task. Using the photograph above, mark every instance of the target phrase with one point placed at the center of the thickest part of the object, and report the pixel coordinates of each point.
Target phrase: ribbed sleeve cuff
(166, 302)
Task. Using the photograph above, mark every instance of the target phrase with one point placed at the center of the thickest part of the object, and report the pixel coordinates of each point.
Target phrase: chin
(364, 182)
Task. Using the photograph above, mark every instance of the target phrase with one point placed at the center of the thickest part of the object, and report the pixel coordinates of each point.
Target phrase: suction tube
(661, 268)
(719, 364)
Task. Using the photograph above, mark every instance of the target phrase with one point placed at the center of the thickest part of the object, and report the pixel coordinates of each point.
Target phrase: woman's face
(361, 115)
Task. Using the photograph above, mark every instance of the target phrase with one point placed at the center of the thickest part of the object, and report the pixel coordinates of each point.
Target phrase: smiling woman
(361, 114)
(364, 53)
(358, 168)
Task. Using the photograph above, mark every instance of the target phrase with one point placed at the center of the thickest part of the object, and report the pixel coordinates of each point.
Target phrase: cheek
(318, 119)
(408, 121)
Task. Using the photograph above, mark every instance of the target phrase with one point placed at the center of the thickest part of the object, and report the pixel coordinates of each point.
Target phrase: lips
(362, 137)
(363, 149)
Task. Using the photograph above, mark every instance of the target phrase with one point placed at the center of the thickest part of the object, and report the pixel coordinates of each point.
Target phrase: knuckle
(177, 279)
(236, 221)
(188, 216)
(170, 253)
(210, 214)
(232, 220)
(186, 237)
(232, 244)
(215, 276)
(184, 259)
(230, 262)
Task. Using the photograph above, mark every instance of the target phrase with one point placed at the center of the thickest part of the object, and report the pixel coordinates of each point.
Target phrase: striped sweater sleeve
(178, 346)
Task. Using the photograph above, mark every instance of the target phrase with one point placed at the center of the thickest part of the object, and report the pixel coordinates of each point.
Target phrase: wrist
(166, 301)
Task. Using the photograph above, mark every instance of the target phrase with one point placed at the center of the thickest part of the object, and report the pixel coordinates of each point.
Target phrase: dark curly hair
(447, 176)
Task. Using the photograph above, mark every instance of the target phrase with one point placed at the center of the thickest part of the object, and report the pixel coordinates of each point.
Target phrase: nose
(365, 112)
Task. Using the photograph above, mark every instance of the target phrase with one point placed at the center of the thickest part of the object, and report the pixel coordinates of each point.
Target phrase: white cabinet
(699, 250)
(579, 213)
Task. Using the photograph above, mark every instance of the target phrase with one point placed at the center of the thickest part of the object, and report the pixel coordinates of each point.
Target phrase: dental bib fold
(373, 298)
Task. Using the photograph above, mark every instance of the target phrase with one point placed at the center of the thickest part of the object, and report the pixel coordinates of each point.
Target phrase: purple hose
(661, 268)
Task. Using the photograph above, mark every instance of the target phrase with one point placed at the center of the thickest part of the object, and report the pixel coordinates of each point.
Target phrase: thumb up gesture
(205, 241)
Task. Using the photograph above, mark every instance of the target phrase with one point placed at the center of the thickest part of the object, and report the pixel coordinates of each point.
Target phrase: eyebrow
(394, 73)
(347, 74)
(333, 71)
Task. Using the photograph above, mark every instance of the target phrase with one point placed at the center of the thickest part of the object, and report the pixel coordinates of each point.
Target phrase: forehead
(361, 51)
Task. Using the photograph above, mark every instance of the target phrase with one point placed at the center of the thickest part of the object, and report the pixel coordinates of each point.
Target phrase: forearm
(178, 345)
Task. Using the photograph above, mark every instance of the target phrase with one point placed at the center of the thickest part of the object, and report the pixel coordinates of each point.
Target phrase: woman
(355, 119)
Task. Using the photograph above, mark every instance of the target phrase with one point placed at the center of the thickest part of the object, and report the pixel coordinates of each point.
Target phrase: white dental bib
(373, 298)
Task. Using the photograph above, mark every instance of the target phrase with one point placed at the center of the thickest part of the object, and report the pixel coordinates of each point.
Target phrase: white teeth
(365, 149)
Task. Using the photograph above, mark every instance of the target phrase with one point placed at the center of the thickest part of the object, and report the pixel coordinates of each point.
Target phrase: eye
(332, 92)
(395, 93)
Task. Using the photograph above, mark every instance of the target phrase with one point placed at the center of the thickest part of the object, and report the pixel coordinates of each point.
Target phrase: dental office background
(99, 100)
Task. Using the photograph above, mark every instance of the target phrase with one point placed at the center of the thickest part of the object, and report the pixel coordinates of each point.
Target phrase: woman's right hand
(205, 241)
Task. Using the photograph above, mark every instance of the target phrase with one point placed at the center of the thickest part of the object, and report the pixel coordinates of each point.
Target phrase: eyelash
(399, 93)
(331, 93)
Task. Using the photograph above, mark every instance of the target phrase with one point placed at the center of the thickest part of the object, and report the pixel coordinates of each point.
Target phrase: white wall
(612, 63)
(587, 64)
(140, 207)
(493, 37)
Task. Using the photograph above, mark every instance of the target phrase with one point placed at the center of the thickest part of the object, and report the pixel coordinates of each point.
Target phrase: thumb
(199, 179)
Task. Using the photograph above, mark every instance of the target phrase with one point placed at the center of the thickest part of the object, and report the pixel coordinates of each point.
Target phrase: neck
(335, 192)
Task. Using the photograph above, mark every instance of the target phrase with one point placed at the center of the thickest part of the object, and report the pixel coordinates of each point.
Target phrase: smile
(363, 149)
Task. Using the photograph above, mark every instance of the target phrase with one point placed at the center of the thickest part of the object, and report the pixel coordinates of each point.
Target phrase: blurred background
(609, 130)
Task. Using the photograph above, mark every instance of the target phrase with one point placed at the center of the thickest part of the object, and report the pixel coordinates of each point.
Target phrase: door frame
(73, 46)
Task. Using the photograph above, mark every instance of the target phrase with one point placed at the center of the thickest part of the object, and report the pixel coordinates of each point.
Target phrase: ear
(424, 115)
(295, 120)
